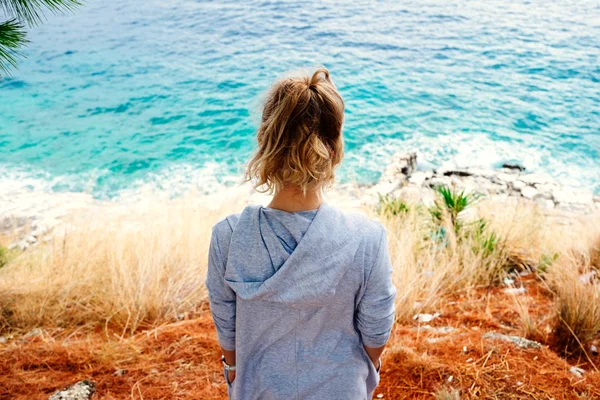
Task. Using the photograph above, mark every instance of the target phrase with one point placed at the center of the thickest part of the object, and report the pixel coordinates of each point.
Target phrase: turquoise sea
(148, 93)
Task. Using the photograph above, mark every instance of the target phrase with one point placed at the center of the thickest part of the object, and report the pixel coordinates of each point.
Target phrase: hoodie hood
(262, 266)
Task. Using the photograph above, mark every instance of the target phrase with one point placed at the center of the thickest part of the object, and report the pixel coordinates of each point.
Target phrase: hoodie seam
(296, 356)
(377, 255)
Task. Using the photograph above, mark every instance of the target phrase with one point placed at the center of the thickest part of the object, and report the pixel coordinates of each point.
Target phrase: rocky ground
(402, 178)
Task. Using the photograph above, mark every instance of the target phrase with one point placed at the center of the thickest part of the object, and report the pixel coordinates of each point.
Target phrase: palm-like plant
(20, 14)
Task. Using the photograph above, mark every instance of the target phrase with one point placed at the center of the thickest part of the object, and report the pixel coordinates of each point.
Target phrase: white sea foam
(462, 150)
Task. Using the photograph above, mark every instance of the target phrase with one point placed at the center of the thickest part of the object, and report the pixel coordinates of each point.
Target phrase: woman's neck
(291, 199)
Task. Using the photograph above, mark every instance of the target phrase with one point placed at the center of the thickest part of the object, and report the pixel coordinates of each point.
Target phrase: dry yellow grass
(131, 267)
(124, 266)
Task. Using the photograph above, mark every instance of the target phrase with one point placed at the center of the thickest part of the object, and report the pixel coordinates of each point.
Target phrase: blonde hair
(300, 136)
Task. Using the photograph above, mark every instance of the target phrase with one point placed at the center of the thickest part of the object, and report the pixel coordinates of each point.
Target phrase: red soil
(181, 360)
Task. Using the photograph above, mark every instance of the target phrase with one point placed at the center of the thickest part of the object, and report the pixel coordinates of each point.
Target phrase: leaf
(12, 37)
(32, 11)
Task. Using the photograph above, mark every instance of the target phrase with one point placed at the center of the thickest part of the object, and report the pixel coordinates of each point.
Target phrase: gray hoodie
(297, 295)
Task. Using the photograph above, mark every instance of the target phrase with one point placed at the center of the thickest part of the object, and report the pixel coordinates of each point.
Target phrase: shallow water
(166, 94)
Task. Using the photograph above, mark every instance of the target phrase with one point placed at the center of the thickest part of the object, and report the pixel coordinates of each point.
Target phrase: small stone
(464, 349)
(79, 391)
(535, 179)
(423, 318)
(517, 340)
(594, 349)
(513, 166)
(529, 192)
(518, 185)
(418, 178)
(578, 372)
(380, 396)
(31, 240)
(508, 281)
(588, 278)
(32, 333)
(3, 339)
(450, 378)
(469, 360)
(119, 372)
(504, 177)
(519, 290)
(546, 203)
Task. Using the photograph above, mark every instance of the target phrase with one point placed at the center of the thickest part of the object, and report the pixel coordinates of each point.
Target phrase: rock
(594, 349)
(536, 179)
(435, 329)
(508, 281)
(578, 372)
(514, 166)
(33, 333)
(588, 278)
(3, 340)
(119, 372)
(401, 166)
(423, 318)
(438, 181)
(416, 194)
(82, 390)
(418, 178)
(529, 192)
(518, 185)
(39, 231)
(519, 290)
(504, 177)
(384, 188)
(457, 172)
(546, 203)
(517, 340)
(31, 240)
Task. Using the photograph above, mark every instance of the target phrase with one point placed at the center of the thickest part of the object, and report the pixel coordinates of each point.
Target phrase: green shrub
(391, 206)
(4, 256)
(546, 261)
(485, 240)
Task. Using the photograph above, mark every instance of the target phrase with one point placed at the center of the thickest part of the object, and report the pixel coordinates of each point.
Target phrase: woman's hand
(231, 376)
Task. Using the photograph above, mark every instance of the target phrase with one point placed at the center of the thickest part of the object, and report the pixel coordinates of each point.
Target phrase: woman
(300, 292)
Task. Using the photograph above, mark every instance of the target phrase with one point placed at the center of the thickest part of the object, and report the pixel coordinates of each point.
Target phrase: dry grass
(116, 272)
(577, 305)
(125, 267)
(427, 269)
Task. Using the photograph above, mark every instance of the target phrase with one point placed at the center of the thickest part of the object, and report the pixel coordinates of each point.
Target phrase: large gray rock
(401, 166)
(82, 390)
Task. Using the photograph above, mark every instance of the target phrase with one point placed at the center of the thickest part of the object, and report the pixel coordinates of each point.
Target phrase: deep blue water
(121, 94)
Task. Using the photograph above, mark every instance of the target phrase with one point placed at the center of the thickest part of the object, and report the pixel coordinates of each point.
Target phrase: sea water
(122, 95)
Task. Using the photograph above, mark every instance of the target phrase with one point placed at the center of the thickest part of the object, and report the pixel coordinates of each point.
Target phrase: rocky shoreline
(403, 179)
(26, 218)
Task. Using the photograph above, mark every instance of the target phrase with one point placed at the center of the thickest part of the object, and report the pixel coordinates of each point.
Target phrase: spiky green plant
(453, 203)
(22, 13)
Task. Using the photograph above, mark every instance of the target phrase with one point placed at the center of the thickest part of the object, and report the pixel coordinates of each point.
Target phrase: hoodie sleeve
(221, 296)
(375, 313)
